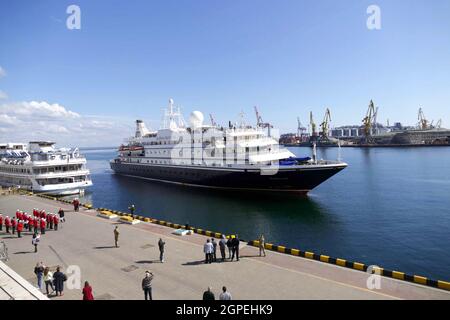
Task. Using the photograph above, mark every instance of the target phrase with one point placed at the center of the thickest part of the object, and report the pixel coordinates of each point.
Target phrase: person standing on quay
(7, 224)
(30, 223)
(13, 225)
(161, 244)
(235, 248)
(1, 222)
(76, 204)
(48, 280)
(60, 278)
(214, 244)
(222, 246)
(132, 208)
(36, 224)
(116, 236)
(208, 249)
(87, 292)
(208, 295)
(147, 285)
(61, 215)
(229, 247)
(262, 244)
(56, 222)
(19, 228)
(43, 225)
(35, 241)
(39, 272)
(225, 295)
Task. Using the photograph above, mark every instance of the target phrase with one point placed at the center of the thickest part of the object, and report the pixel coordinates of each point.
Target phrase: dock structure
(85, 243)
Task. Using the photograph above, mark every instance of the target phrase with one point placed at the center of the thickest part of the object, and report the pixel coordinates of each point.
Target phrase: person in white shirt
(208, 250)
(225, 295)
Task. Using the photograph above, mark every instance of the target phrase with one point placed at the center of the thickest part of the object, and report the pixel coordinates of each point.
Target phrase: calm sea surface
(390, 207)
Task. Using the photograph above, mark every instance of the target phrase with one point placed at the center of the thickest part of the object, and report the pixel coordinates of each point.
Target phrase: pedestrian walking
(116, 236)
(87, 291)
(208, 295)
(48, 280)
(59, 279)
(208, 249)
(35, 241)
(222, 246)
(229, 246)
(224, 295)
(132, 208)
(61, 215)
(147, 285)
(235, 248)
(161, 244)
(214, 243)
(262, 244)
(39, 272)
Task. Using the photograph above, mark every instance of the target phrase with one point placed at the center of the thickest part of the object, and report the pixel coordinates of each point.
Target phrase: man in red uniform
(36, 224)
(43, 224)
(1, 222)
(7, 223)
(55, 221)
(43, 214)
(19, 215)
(13, 225)
(50, 221)
(30, 223)
(19, 228)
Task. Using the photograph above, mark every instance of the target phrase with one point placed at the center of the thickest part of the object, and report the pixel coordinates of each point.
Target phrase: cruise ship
(236, 157)
(41, 167)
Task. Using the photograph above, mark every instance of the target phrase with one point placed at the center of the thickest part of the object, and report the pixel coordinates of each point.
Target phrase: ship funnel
(141, 129)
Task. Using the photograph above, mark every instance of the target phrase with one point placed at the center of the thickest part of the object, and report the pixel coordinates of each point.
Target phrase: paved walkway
(14, 287)
(87, 241)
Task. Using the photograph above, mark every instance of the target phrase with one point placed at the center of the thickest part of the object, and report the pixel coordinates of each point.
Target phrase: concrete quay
(87, 241)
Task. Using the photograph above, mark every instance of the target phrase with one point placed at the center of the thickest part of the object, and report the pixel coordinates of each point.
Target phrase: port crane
(369, 119)
(325, 125)
(260, 123)
(423, 122)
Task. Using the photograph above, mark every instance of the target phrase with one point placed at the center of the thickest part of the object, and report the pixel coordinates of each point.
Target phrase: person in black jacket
(161, 244)
(208, 295)
(214, 243)
(229, 247)
(59, 278)
(147, 285)
(235, 248)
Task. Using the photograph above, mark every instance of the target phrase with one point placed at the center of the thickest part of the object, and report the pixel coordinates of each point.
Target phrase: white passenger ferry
(237, 157)
(40, 167)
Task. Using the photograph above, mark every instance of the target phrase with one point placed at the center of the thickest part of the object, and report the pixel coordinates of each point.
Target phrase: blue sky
(221, 57)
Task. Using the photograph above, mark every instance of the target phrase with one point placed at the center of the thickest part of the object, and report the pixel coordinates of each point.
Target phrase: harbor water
(390, 207)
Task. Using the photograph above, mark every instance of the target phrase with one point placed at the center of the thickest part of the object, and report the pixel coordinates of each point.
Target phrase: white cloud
(3, 95)
(38, 110)
(2, 72)
(25, 121)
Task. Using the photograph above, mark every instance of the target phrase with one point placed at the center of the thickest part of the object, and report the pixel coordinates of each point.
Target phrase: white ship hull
(44, 169)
